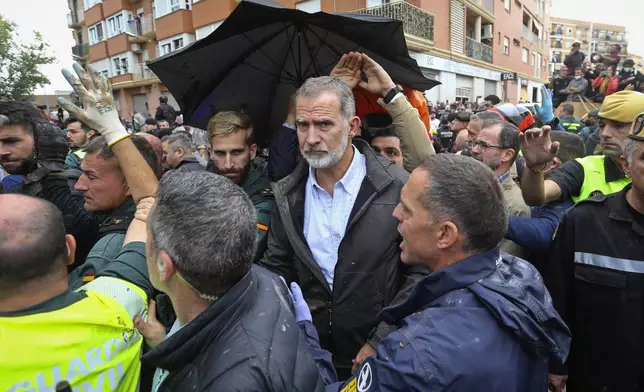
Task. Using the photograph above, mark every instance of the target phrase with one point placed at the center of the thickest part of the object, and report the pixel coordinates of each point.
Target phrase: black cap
(150, 121)
(576, 44)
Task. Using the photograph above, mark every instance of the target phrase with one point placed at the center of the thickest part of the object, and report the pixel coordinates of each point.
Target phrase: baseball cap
(622, 106)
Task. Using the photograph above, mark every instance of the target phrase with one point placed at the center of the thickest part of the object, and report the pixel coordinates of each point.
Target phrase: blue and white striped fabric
(326, 217)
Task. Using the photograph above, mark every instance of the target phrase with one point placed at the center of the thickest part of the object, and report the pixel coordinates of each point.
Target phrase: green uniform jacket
(258, 187)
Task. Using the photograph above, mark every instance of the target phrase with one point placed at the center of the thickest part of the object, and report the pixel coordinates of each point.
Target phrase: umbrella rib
(333, 49)
(317, 69)
(314, 56)
(290, 51)
(259, 49)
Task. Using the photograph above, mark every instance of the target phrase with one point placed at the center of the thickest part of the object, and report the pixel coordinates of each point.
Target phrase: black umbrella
(257, 58)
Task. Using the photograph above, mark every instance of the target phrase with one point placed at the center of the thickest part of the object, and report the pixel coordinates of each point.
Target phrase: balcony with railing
(478, 51)
(140, 30)
(80, 51)
(416, 21)
(75, 19)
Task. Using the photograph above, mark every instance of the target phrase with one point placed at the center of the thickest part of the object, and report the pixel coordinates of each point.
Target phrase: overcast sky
(50, 18)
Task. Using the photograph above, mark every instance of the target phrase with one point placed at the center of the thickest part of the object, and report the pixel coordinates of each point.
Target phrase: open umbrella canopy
(259, 56)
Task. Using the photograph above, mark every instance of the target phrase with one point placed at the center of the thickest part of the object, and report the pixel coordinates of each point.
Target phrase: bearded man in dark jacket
(333, 231)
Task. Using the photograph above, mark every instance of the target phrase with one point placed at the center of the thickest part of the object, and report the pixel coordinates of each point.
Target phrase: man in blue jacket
(481, 321)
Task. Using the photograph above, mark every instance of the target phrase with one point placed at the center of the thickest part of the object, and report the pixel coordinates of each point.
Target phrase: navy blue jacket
(535, 234)
(485, 323)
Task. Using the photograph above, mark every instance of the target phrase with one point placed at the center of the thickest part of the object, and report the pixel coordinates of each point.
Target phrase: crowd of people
(595, 77)
(488, 250)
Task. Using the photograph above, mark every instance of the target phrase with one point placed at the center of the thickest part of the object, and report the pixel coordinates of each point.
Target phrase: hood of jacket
(512, 291)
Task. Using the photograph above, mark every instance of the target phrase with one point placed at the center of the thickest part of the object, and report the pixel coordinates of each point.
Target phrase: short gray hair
(485, 116)
(477, 209)
(178, 140)
(628, 149)
(207, 225)
(313, 87)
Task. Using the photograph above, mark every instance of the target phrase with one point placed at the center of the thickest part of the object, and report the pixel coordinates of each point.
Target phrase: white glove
(96, 94)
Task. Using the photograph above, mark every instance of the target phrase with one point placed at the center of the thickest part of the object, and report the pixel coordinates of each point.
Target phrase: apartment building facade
(592, 38)
(473, 47)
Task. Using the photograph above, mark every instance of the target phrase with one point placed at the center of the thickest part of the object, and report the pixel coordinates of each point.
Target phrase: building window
(507, 4)
(506, 46)
(177, 43)
(534, 59)
(115, 25)
(96, 34)
(105, 74)
(117, 67)
(90, 3)
(177, 4)
(124, 65)
(568, 44)
(165, 49)
(524, 55)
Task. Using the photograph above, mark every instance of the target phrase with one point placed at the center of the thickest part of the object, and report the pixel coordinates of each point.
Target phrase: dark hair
(212, 251)
(150, 121)
(388, 131)
(99, 146)
(579, 68)
(32, 246)
(509, 135)
(463, 117)
(163, 99)
(619, 47)
(571, 146)
(568, 109)
(72, 119)
(494, 100)
(22, 113)
(451, 117)
(482, 223)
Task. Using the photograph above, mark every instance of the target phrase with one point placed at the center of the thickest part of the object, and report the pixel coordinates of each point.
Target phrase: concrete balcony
(140, 71)
(141, 30)
(416, 21)
(478, 51)
(75, 19)
(80, 51)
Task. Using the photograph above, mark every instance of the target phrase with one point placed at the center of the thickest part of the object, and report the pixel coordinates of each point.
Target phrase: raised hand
(378, 80)
(537, 148)
(98, 110)
(348, 69)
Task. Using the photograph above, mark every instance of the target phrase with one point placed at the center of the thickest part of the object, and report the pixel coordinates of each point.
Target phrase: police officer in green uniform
(234, 155)
(581, 178)
(596, 280)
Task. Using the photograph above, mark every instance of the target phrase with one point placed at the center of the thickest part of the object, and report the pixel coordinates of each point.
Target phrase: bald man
(88, 335)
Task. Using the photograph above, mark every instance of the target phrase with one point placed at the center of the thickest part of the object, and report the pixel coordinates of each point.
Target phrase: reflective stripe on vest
(609, 262)
(595, 178)
(91, 343)
(571, 126)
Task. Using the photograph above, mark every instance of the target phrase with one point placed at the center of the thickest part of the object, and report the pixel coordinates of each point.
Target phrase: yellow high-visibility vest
(595, 178)
(91, 343)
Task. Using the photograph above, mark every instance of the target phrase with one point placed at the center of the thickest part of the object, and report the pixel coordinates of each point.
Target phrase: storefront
(459, 81)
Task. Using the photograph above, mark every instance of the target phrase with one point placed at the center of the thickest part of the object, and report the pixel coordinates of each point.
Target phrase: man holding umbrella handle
(414, 141)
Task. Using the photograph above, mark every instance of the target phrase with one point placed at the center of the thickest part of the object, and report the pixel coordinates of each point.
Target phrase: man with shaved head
(34, 251)
(38, 310)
